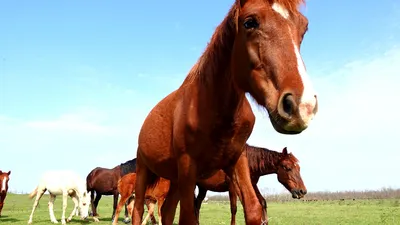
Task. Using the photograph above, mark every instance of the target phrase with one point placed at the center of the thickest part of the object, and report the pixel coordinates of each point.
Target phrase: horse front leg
(197, 202)
(263, 203)
(64, 207)
(115, 203)
(168, 209)
(95, 203)
(51, 208)
(233, 202)
(76, 202)
(187, 184)
(250, 202)
(143, 179)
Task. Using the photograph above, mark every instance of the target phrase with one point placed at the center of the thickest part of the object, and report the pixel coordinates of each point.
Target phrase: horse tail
(33, 193)
(153, 182)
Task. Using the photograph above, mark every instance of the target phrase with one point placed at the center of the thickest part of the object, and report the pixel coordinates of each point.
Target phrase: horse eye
(251, 23)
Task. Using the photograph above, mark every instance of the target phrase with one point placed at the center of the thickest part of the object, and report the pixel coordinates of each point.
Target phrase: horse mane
(263, 159)
(215, 57)
(128, 167)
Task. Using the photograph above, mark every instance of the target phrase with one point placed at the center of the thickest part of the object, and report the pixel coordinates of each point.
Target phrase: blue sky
(77, 79)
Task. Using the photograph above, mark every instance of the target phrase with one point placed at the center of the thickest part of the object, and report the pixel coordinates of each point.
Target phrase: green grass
(18, 207)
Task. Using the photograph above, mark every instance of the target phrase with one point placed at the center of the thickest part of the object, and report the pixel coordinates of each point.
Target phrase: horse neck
(262, 161)
(212, 71)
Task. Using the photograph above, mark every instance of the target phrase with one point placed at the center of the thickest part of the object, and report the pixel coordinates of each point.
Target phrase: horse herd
(121, 180)
(197, 135)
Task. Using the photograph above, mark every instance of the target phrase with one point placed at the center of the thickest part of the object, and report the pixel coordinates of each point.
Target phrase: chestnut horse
(104, 181)
(202, 126)
(157, 193)
(4, 178)
(261, 162)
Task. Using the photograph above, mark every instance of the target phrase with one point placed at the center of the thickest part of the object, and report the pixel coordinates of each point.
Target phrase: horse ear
(284, 151)
(9, 172)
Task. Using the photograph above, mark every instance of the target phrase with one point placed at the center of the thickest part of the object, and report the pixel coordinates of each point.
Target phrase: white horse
(65, 183)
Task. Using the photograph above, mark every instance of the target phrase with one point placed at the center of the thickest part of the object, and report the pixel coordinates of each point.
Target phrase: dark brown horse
(261, 162)
(4, 178)
(155, 194)
(202, 126)
(104, 181)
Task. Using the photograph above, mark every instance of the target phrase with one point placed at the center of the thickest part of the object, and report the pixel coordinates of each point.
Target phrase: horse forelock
(291, 5)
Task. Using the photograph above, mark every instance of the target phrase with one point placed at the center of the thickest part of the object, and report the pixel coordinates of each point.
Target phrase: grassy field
(18, 207)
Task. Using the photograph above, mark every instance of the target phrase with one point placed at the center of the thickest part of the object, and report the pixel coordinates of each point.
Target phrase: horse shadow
(8, 219)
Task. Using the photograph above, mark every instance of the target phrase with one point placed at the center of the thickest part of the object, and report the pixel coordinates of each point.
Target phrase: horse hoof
(96, 219)
(127, 220)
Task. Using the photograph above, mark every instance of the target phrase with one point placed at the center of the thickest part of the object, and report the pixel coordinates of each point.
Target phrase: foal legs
(51, 208)
(150, 212)
(39, 194)
(121, 203)
(250, 202)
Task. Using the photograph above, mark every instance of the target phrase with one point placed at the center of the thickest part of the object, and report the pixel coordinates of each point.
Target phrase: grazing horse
(154, 194)
(202, 126)
(4, 178)
(65, 183)
(261, 162)
(104, 181)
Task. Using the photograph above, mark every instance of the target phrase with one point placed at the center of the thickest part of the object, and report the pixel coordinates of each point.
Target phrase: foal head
(4, 178)
(289, 175)
(84, 202)
(266, 61)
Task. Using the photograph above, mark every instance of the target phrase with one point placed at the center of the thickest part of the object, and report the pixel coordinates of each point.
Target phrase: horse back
(103, 180)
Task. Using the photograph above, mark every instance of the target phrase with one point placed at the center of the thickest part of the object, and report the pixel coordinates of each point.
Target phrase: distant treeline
(384, 193)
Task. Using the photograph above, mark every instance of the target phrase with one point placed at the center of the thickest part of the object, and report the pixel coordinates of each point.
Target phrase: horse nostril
(288, 104)
(303, 192)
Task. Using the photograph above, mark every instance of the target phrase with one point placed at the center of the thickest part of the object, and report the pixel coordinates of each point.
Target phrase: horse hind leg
(64, 207)
(39, 193)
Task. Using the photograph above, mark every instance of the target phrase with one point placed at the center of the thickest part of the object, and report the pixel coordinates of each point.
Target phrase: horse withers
(262, 162)
(65, 183)
(202, 127)
(4, 178)
(104, 181)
